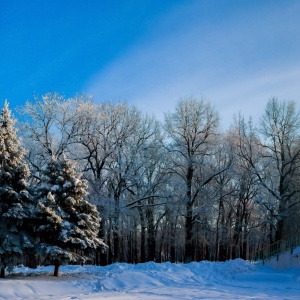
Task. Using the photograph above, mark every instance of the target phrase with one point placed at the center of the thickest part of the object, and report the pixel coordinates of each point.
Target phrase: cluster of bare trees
(178, 190)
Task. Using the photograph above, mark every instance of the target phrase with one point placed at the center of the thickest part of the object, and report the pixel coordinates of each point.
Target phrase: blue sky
(235, 53)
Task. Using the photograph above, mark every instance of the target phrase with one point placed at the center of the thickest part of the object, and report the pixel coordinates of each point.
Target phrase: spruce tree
(15, 205)
(67, 221)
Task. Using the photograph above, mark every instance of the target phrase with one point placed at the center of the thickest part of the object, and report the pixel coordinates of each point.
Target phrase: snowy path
(205, 280)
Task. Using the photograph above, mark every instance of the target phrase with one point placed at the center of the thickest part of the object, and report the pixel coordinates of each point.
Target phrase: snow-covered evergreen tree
(15, 204)
(67, 222)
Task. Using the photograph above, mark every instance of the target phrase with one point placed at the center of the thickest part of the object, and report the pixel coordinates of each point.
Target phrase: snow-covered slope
(286, 259)
(235, 279)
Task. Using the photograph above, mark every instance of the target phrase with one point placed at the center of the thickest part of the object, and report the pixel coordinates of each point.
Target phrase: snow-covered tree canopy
(67, 221)
(15, 204)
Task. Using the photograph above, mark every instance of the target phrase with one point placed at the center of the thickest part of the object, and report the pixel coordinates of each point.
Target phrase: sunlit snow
(55, 188)
(235, 279)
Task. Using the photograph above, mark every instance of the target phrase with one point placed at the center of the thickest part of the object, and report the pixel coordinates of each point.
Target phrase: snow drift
(236, 279)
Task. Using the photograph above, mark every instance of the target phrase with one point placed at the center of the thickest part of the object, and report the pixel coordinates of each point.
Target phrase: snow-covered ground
(234, 279)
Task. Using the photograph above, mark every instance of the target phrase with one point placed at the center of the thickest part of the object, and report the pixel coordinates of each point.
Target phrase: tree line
(178, 190)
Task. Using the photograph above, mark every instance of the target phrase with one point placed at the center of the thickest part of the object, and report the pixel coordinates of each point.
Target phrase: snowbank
(234, 279)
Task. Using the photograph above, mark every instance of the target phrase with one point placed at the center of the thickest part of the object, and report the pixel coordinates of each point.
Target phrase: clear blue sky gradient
(236, 53)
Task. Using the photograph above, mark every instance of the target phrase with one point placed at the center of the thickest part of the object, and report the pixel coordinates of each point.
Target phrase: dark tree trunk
(56, 267)
(151, 246)
(237, 243)
(2, 272)
(116, 229)
(103, 254)
(97, 258)
(173, 257)
(161, 246)
(172, 254)
(143, 236)
(110, 255)
(222, 253)
(189, 249)
(151, 242)
(32, 262)
(116, 255)
(279, 235)
(103, 259)
(143, 245)
(130, 248)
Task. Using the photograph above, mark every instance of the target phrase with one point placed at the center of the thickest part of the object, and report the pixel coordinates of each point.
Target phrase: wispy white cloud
(237, 60)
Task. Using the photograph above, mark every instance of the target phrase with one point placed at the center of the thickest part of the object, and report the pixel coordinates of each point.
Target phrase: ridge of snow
(235, 279)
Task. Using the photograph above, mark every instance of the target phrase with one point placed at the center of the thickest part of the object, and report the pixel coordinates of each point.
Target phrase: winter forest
(89, 182)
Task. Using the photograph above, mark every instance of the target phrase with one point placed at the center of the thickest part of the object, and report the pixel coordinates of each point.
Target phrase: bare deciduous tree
(192, 128)
(280, 152)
